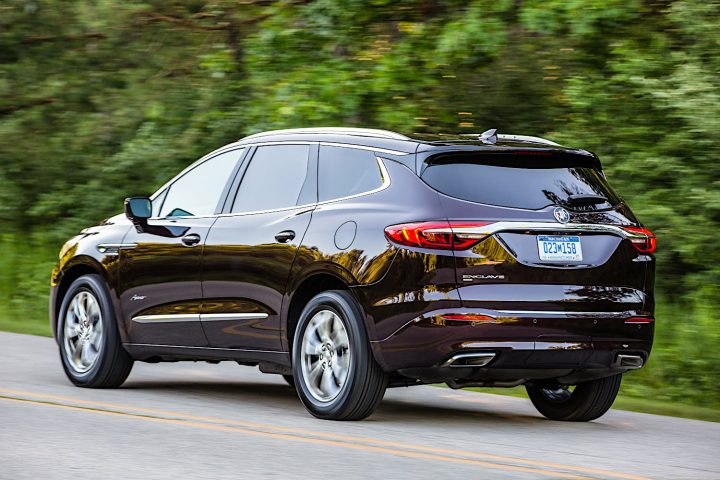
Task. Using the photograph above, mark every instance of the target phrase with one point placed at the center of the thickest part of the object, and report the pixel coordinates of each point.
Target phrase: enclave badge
(561, 215)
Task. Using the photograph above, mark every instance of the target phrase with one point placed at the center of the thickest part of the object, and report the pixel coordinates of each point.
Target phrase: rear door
(550, 238)
(250, 250)
(160, 285)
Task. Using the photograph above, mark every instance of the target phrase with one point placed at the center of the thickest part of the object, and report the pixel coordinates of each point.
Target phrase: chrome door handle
(191, 240)
(285, 236)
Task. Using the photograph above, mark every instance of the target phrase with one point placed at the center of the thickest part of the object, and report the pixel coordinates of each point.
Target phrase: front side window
(347, 171)
(274, 179)
(198, 191)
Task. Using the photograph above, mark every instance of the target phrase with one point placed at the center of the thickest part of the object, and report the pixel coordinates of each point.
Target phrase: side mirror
(138, 210)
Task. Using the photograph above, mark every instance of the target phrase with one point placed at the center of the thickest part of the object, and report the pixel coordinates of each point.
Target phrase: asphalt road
(195, 420)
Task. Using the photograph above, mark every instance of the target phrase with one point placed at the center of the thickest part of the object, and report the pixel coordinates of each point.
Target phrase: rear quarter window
(346, 171)
(518, 181)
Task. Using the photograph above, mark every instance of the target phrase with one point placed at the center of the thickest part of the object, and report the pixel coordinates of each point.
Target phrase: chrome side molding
(184, 317)
(198, 317)
(218, 317)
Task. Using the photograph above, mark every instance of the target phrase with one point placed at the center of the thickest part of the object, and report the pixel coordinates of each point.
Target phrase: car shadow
(391, 411)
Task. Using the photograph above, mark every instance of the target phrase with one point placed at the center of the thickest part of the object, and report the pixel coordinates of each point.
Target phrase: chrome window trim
(381, 164)
(386, 183)
(217, 317)
(170, 318)
(238, 146)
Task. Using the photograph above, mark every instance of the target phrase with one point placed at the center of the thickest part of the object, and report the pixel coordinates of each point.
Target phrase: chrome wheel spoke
(325, 320)
(328, 384)
(72, 327)
(96, 337)
(312, 342)
(86, 354)
(314, 374)
(339, 336)
(76, 352)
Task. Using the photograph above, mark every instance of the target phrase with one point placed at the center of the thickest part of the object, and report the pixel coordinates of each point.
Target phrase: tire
(588, 401)
(352, 388)
(290, 380)
(91, 352)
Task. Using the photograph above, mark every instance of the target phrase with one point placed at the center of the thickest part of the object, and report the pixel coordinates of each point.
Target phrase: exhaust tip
(630, 361)
(469, 360)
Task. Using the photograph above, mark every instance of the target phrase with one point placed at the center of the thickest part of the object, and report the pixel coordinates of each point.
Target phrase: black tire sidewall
(94, 285)
(344, 306)
(589, 400)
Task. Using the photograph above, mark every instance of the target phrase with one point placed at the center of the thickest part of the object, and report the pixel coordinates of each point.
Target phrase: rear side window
(274, 179)
(519, 181)
(347, 171)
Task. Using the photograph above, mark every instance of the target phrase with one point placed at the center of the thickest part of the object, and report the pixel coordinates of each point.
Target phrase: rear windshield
(520, 180)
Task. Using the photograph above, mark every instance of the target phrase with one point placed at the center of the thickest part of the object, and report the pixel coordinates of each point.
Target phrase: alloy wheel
(83, 332)
(325, 356)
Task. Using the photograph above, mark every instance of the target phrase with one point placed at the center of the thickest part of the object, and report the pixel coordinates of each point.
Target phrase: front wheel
(90, 348)
(336, 375)
(587, 401)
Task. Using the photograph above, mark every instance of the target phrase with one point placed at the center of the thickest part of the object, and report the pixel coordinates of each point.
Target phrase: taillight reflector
(639, 320)
(642, 239)
(435, 235)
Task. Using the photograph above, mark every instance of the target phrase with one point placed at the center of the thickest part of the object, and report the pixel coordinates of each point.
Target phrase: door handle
(191, 240)
(285, 236)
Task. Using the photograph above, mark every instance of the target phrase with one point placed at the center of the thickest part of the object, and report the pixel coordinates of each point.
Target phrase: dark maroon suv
(351, 260)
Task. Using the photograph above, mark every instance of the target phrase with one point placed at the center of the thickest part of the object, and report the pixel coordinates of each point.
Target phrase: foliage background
(102, 99)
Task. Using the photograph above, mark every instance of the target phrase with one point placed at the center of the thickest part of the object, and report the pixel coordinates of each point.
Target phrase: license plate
(556, 248)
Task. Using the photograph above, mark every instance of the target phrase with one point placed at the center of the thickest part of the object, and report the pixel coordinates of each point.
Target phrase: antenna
(489, 137)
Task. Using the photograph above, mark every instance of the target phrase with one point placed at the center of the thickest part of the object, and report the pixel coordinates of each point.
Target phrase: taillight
(642, 239)
(435, 235)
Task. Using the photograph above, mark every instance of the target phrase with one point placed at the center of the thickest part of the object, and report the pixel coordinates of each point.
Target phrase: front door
(249, 251)
(160, 278)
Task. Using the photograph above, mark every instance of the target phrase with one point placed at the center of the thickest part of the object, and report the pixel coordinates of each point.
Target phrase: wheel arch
(79, 266)
(300, 295)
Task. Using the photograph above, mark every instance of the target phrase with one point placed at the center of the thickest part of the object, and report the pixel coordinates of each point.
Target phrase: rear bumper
(524, 345)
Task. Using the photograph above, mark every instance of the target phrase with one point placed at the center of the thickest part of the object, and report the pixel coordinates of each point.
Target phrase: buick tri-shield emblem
(561, 215)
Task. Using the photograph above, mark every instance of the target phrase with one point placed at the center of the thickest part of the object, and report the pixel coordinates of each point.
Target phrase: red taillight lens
(642, 239)
(435, 235)
(639, 320)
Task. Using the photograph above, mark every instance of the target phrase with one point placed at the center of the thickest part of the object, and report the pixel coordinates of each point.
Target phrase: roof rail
(526, 139)
(361, 132)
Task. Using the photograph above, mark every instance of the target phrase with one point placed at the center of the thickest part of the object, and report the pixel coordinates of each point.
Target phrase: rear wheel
(586, 401)
(336, 375)
(90, 348)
